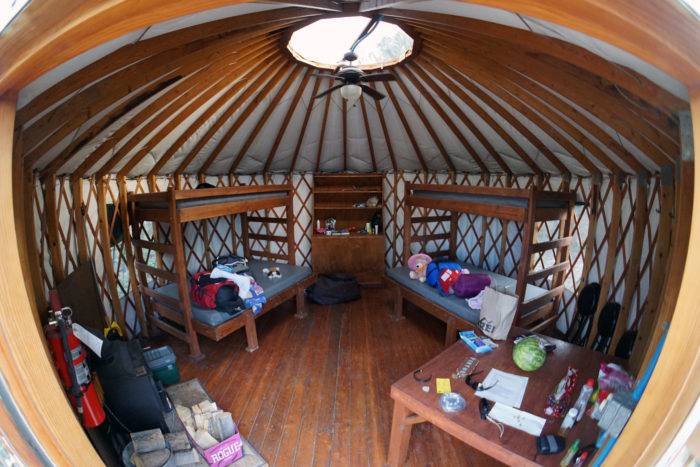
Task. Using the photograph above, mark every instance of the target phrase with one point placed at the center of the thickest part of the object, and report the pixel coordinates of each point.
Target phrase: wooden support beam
(617, 114)
(587, 87)
(326, 107)
(271, 107)
(445, 118)
(155, 114)
(162, 69)
(251, 82)
(385, 131)
(344, 109)
(641, 217)
(323, 5)
(304, 124)
(288, 116)
(406, 127)
(616, 75)
(416, 108)
(368, 133)
(432, 84)
(105, 240)
(52, 227)
(510, 118)
(245, 68)
(29, 377)
(446, 74)
(610, 256)
(280, 71)
(136, 51)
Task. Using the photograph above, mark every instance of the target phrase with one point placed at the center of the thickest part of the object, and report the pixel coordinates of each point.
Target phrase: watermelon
(528, 355)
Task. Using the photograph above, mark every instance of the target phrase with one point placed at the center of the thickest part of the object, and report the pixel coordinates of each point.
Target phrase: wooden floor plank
(317, 390)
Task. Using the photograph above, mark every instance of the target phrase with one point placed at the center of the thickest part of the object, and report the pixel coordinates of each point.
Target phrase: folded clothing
(243, 282)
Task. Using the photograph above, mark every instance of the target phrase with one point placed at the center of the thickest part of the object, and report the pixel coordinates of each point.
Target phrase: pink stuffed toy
(418, 265)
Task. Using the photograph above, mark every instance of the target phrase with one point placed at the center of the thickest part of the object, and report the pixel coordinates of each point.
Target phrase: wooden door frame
(50, 32)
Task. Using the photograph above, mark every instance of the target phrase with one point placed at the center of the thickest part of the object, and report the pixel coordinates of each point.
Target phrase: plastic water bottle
(583, 398)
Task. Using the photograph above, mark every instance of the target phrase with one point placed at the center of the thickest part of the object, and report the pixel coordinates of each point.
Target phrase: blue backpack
(432, 274)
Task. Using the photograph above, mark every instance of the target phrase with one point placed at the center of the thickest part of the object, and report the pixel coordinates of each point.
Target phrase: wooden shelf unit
(361, 255)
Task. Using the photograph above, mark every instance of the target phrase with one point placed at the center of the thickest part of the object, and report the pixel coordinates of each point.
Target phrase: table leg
(400, 435)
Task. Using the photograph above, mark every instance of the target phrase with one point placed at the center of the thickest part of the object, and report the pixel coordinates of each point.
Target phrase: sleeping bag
(434, 270)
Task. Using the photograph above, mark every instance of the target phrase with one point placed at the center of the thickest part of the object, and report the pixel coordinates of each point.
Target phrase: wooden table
(412, 405)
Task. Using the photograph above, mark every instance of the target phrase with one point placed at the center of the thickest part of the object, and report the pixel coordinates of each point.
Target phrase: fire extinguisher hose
(75, 389)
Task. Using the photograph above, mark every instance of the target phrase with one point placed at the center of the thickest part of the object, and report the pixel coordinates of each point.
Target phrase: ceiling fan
(352, 77)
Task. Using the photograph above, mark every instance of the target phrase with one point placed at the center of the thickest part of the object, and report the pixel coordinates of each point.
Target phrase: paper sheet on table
(524, 421)
(508, 389)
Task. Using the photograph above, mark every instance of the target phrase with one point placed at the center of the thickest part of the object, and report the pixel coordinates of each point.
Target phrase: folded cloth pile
(249, 291)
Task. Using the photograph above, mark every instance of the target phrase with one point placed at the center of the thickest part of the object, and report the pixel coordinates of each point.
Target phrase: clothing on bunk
(249, 291)
(215, 293)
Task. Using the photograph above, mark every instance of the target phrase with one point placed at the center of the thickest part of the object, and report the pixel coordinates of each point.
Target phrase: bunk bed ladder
(542, 312)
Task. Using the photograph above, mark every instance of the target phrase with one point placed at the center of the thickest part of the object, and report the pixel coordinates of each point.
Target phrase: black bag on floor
(331, 289)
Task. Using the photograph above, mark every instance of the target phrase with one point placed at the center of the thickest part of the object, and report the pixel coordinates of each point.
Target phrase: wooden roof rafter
(150, 47)
(416, 108)
(175, 113)
(82, 106)
(446, 73)
(368, 132)
(625, 78)
(272, 105)
(245, 70)
(615, 113)
(515, 81)
(464, 118)
(78, 108)
(164, 101)
(326, 108)
(446, 119)
(243, 116)
(287, 117)
(304, 124)
(385, 131)
(245, 84)
(406, 127)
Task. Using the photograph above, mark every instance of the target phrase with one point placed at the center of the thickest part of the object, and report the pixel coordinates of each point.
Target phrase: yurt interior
(349, 232)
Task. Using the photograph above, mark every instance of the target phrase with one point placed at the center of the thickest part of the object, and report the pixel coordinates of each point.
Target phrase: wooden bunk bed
(169, 306)
(537, 305)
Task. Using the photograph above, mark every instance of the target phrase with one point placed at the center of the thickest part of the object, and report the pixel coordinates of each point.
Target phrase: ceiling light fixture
(351, 93)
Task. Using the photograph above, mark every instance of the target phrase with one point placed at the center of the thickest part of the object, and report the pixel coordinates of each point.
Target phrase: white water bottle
(583, 398)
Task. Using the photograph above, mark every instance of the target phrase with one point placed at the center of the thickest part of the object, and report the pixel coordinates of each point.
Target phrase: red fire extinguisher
(70, 359)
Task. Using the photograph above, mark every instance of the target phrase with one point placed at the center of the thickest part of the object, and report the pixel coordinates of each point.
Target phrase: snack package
(558, 400)
(612, 378)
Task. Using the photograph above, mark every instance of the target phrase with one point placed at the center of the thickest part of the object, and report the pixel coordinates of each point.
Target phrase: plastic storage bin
(163, 364)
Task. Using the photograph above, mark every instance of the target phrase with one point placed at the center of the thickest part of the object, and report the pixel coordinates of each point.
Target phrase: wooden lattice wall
(70, 233)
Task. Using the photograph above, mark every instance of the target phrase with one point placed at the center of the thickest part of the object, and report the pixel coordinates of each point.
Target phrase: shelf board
(345, 208)
(352, 235)
(335, 190)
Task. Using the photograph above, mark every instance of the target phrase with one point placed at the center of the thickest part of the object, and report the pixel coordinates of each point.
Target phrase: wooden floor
(317, 390)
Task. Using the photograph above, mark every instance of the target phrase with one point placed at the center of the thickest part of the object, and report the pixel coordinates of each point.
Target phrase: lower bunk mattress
(291, 275)
(455, 305)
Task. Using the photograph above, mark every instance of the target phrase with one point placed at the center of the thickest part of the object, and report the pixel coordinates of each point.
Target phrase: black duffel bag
(331, 289)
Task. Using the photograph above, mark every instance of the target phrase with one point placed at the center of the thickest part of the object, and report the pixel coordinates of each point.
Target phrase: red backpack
(220, 294)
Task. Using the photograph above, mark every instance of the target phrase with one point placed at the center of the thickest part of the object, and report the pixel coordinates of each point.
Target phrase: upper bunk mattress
(454, 304)
(210, 200)
(291, 275)
(511, 201)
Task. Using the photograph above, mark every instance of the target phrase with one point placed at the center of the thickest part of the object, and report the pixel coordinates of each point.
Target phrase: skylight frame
(301, 57)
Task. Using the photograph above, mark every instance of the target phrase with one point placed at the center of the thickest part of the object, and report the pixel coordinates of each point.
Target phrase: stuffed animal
(418, 265)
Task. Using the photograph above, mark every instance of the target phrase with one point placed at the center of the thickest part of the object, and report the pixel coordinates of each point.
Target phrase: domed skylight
(324, 42)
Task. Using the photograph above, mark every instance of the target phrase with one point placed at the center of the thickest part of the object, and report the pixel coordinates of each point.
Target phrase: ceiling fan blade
(326, 75)
(378, 77)
(329, 90)
(372, 92)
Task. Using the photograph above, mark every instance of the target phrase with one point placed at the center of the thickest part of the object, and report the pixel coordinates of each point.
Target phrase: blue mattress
(291, 275)
(488, 199)
(458, 306)
(211, 200)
